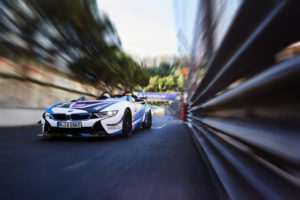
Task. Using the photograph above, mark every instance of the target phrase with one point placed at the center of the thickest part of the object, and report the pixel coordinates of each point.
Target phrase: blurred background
(230, 68)
(55, 51)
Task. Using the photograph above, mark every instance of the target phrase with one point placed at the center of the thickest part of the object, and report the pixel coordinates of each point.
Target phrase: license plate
(69, 124)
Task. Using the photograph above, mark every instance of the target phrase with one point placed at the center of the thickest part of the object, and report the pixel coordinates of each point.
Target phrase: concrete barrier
(10, 117)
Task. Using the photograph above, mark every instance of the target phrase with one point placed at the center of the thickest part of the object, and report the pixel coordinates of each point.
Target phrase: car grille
(59, 116)
(64, 117)
(83, 116)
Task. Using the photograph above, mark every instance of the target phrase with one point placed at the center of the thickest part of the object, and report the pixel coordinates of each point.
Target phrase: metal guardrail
(250, 134)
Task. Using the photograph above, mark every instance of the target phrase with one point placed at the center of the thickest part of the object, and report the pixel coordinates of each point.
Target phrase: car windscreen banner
(156, 96)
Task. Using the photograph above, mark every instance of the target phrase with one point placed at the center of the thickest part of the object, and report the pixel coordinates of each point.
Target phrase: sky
(146, 27)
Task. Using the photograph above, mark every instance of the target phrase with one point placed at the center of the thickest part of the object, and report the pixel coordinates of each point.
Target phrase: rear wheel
(148, 122)
(127, 123)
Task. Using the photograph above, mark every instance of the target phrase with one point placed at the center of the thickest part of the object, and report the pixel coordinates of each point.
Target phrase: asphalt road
(161, 163)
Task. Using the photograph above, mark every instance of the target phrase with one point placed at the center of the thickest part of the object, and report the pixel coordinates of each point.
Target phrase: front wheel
(127, 124)
(148, 122)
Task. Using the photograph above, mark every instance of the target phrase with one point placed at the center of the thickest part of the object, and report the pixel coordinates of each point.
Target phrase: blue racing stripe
(117, 132)
(50, 109)
(139, 115)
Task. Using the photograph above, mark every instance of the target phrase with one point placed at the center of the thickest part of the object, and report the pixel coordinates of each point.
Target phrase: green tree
(162, 83)
(99, 57)
(164, 69)
(173, 79)
(152, 71)
(153, 84)
(170, 83)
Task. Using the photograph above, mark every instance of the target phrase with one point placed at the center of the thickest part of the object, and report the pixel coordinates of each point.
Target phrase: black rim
(127, 124)
(149, 120)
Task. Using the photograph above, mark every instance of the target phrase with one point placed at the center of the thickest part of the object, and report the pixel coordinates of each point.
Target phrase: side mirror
(140, 101)
(80, 99)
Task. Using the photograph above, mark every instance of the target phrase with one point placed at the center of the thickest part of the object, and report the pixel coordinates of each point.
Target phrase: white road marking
(76, 165)
(160, 126)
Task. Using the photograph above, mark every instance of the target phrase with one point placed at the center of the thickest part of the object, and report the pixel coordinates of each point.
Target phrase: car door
(137, 109)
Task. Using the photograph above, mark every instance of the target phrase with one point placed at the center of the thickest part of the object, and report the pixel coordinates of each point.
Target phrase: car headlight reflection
(106, 113)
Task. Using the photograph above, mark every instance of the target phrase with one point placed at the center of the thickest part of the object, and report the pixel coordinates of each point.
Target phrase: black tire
(47, 128)
(148, 123)
(127, 124)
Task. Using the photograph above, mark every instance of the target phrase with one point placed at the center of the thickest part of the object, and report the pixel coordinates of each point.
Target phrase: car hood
(88, 106)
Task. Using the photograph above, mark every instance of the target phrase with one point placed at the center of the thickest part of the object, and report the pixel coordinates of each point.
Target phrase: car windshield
(121, 98)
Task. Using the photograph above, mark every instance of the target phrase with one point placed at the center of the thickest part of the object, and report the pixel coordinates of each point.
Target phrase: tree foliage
(164, 69)
(166, 78)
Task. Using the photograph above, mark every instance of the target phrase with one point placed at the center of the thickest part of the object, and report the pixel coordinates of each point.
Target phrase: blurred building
(201, 27)
(168, 58)
(149, 62)
(155, 61)
(185, 17)
(202, 24)
(213, 20)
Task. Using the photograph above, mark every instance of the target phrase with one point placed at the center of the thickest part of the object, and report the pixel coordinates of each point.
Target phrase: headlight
(106, 113)
(47, 115)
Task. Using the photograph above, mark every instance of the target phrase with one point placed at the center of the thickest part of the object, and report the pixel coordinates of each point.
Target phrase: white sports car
(109, 115)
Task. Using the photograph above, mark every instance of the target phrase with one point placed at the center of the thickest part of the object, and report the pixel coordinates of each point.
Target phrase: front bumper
(92, 127)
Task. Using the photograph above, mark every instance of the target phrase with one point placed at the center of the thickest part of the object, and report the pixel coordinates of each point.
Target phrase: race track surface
(161, 163)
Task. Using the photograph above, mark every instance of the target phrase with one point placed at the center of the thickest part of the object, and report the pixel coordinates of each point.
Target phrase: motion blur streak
(54, 50)
(243, 88)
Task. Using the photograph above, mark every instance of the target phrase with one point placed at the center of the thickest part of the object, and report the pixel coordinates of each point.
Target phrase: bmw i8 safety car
(109, 115)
